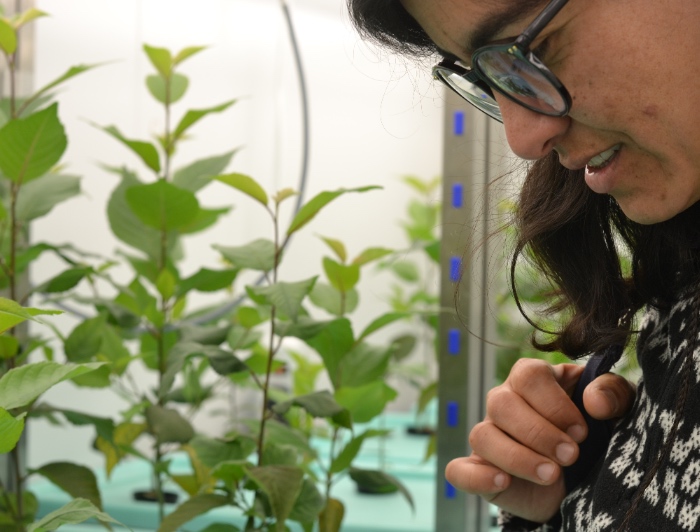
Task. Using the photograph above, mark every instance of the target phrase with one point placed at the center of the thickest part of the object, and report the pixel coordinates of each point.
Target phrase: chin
(650, 212)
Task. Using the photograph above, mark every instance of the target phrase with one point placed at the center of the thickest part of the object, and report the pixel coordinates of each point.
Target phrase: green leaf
(283, 194)
(402, 346)
(309, 210)
(337, 246)
(125, 225)
(70, 73)
(158, 87)
(144, 150)
(38, 197)
(303, 328)
(249, 317)
(342, 277)
(165, 284)
(64, 281)
(200, 173)
(309, 503)
(76, 511)
(8, 37)
(76, 480)
(331, 518)
(160, 58)
(382, 321)
(364, 364)
(206, 280)
(9, 347)
(406, 270)
(162, 205)
(282, 485)
(257, 255)
(245, 184)
(427, 394)
(186, 53)
(22, 385)
(318, 404)
(332, 301)
(84, 342)
(104, 426)
(287, 297)
(365, 402)
(213, 452)
(28, 16)
(433, 251)
(191, 508)
(10, 430)
(12, 313)
(30, 146)
(380, 482)
(168, 425)
(195, 115)
(333, 343)
(352, 448)
(371, 254)
(204, 219)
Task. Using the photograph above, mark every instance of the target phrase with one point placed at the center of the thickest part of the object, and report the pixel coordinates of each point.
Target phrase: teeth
(603, 158)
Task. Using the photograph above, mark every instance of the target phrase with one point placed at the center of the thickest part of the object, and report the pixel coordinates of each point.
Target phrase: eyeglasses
(512, 70)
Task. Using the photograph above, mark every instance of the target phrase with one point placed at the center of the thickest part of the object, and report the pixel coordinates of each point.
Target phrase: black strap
(599, 432)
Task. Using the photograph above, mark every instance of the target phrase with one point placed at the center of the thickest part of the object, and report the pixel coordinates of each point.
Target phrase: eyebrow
(494, 23)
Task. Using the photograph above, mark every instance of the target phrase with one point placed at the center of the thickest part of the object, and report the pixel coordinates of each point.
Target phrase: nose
(531, 135)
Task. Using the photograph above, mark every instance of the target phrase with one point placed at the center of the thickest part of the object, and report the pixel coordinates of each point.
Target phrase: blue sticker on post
(453, 341)
(455, 268)
(452, 414)
(458, 123)
(450, 491)
(457, 193)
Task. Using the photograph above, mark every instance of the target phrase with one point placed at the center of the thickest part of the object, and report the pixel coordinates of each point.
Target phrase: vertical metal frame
(472, 151)
(25, 80)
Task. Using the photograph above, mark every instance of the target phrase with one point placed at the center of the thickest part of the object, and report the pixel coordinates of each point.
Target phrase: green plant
(265, 468)
(32, 142)
(415, 292)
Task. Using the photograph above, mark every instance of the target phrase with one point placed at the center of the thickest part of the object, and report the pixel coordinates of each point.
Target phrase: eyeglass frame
(521, 49)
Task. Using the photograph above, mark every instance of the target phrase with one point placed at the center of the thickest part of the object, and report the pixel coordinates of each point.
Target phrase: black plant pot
(420, 430)
(152, 496)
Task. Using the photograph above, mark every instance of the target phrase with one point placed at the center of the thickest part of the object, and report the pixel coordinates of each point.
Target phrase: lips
(603, 159)
(600, 174)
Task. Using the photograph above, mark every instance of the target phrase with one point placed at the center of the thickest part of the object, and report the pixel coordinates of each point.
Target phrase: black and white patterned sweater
(671, 502)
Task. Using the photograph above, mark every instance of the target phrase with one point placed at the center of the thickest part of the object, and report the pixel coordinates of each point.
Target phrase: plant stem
(329, 474)
(272, 350)
(159, 483)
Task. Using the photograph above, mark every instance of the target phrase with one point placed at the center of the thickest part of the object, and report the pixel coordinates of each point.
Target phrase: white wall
(373, 119)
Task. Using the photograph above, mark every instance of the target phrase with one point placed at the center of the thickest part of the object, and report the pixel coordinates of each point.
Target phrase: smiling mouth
(603, 159)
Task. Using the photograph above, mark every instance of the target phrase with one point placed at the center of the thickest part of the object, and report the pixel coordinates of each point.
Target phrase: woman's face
(629, 66)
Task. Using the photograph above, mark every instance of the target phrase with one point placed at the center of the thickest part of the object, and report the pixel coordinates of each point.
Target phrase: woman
(601, 96)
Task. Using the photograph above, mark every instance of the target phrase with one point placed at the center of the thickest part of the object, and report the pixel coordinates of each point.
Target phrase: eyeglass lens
(476, 95)
(521, 80)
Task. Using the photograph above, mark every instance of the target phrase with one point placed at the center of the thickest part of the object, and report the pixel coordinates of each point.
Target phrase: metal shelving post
(467, 363)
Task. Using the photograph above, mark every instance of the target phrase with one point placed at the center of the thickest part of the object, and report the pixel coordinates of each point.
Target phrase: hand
(531, 429)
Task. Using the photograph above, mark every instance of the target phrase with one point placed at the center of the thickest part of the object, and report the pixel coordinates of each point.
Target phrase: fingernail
(577, 433)
(499, 480)
(565, 452)
(545, 472)
(612, 400)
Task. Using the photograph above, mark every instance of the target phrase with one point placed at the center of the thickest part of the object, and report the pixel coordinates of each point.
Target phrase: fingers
(474, 475)
(547, 390)
(535, 502)
(516, 459)
(608, 396)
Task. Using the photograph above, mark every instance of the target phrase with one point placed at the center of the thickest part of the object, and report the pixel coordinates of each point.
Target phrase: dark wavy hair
(574, 236)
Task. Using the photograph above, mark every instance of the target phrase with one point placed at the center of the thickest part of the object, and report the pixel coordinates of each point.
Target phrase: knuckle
(526, 369)
(479, 434)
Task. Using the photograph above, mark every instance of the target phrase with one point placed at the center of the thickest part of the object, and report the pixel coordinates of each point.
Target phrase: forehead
(460, 26)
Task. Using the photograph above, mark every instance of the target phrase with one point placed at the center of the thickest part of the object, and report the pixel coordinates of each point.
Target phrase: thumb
(609, 396)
